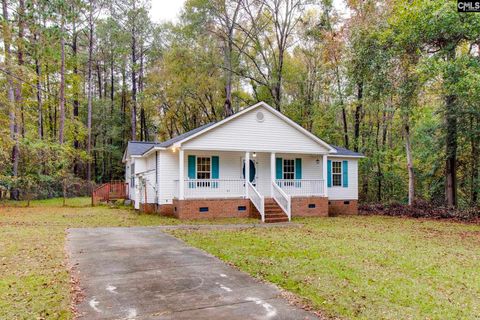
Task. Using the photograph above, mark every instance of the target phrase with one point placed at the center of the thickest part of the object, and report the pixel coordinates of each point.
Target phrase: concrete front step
(275, 215)
(274, 211)
(276, 220)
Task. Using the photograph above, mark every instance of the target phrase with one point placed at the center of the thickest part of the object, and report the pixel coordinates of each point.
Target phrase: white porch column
(181, 175)
(272, 172)
(247, 172)
(324, 175)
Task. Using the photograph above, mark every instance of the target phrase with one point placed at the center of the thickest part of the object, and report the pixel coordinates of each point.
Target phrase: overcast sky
(168, 10)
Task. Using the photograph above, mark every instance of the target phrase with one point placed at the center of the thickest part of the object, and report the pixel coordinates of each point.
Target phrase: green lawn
(362, 267)
(34, 281)
(352, 267)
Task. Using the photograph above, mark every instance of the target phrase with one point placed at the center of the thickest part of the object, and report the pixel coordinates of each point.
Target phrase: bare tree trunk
(474, 140)
(20, 49)
(76, 102)
(451, 139)
(11, 99)
(451, 153)
(38, 71)
(229, 22)
(143, 120)
(358, 112)
(99, 80)
(411, 172)
(112, 85)
(134, 80)
(227, 107)
(62, 81)
(124, 102)
(89, 91)
(277, 89)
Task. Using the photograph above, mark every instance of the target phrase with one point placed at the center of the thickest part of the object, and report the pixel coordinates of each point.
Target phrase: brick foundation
(165, 210)
(309, 207)
(148, 207)
(229, 208)
(342, 207)
(213, 208)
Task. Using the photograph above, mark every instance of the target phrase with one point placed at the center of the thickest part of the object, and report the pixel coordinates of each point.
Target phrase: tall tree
(61, 129)
(268, 32)
(14, 194)
(89, 88)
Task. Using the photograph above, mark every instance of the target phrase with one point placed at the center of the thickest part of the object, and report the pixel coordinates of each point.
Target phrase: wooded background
(396, 80)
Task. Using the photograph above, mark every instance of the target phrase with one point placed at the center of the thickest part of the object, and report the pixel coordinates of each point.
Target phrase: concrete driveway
(142, 273)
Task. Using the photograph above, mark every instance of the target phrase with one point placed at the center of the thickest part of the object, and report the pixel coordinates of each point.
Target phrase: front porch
(290, 181)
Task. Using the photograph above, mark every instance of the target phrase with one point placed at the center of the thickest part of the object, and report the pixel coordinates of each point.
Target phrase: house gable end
(259, 129)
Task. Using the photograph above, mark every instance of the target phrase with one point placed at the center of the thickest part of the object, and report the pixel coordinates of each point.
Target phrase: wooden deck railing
(113, 190)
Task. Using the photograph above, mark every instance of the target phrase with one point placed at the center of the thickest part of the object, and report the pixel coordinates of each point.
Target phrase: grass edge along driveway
(34, 280)
(362, 267)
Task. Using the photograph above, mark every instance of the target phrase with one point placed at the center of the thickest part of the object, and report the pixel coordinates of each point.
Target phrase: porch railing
(110, 191)
(212, 188)
(257, 199)
(302, 187)
(283, 199)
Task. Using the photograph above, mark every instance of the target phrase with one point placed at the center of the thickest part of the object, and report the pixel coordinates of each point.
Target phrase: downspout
(156, 178)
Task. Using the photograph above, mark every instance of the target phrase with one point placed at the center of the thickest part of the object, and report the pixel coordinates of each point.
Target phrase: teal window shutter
(215, 167)
(298, 172)
(329, 173)
(192, 170)
(345, 173)
(298, 168)
(215, 170)
(279, 168)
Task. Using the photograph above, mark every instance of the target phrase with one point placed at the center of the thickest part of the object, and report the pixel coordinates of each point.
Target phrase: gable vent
(260, 116)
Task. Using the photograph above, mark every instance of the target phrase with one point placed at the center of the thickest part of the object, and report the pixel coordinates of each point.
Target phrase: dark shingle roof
(137, 148)
(345, 152)
(169, 142)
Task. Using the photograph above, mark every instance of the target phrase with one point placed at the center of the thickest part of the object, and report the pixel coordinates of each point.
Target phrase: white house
(202, 173)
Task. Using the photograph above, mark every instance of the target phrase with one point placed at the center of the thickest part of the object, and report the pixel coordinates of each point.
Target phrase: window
(288, 169)
(336, 173)
(132, 176)
(203, 168)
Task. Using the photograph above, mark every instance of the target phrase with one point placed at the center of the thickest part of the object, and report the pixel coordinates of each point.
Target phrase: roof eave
(151, 150)
(347, 156)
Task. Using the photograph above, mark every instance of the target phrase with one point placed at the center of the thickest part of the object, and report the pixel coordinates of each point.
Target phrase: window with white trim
(204, 168)
(336, 173)
(132, 176)
(288, 169)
